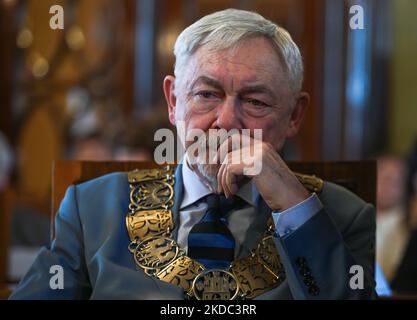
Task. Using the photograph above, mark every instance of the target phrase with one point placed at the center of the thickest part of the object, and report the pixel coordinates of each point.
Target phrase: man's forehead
(246, 65)
(250, 56)
(248, 84)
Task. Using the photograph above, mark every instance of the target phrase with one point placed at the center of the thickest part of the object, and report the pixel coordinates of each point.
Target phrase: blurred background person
(87, 138)
(136, 140)
(405, 280)
(392, 229)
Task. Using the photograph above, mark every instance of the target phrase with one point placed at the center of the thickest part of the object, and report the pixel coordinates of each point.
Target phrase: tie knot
(221, 204)
(212, 201)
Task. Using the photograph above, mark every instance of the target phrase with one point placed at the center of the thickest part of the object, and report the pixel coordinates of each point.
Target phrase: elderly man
(211, 229)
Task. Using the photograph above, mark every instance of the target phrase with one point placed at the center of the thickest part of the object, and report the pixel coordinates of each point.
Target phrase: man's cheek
(274, 134)
(198, 121)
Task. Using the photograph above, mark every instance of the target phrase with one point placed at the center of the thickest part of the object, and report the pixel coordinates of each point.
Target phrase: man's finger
(230, 144)
(231, 179)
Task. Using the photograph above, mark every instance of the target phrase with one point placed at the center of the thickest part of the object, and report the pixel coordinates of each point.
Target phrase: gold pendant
(215, 284)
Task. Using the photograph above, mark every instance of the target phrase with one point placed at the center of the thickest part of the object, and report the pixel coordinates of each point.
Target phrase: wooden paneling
(403, 100)
(5, 215)
(7, 50)
(101, 67)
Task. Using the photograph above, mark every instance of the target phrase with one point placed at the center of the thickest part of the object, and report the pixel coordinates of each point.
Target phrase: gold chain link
(149, 224)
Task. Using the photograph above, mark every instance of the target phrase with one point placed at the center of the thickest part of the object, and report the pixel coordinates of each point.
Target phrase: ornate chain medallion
(155, 253)
(152, 194)
(149, 224)
(215, 284)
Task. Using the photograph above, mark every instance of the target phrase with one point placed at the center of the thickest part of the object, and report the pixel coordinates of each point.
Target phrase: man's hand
(277, 185)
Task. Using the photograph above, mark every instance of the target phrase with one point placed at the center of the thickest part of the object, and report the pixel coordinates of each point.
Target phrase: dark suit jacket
(405, 280)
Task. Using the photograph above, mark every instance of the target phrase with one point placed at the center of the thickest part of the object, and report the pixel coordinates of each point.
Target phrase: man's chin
(208, 174)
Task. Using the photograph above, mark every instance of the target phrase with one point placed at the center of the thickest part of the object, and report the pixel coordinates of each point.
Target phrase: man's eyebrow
(256, 89)
(207, 80)
(245, 90)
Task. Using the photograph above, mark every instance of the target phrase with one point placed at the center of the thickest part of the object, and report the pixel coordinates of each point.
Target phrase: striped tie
(210, 241)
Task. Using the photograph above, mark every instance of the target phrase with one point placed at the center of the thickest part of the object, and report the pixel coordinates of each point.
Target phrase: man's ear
(297, 113)
(169, 85)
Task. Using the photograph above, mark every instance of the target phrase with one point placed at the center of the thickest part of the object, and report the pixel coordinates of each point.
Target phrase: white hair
(225, 29)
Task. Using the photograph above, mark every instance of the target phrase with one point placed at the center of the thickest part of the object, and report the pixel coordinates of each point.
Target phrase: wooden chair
(358, 176)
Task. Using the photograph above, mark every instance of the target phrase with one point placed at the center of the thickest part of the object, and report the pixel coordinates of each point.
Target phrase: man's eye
(256, 103)
(206, 94)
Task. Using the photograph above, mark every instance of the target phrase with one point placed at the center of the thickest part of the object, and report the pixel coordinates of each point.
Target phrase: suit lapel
(248, 225)
(178, 195)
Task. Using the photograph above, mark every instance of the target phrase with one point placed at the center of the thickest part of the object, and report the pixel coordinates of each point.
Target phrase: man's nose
(228, 115)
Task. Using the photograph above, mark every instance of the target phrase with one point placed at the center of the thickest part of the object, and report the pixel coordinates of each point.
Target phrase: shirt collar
(195, 189)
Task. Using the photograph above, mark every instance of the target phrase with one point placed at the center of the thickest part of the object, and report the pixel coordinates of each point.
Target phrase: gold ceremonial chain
(149, 225)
